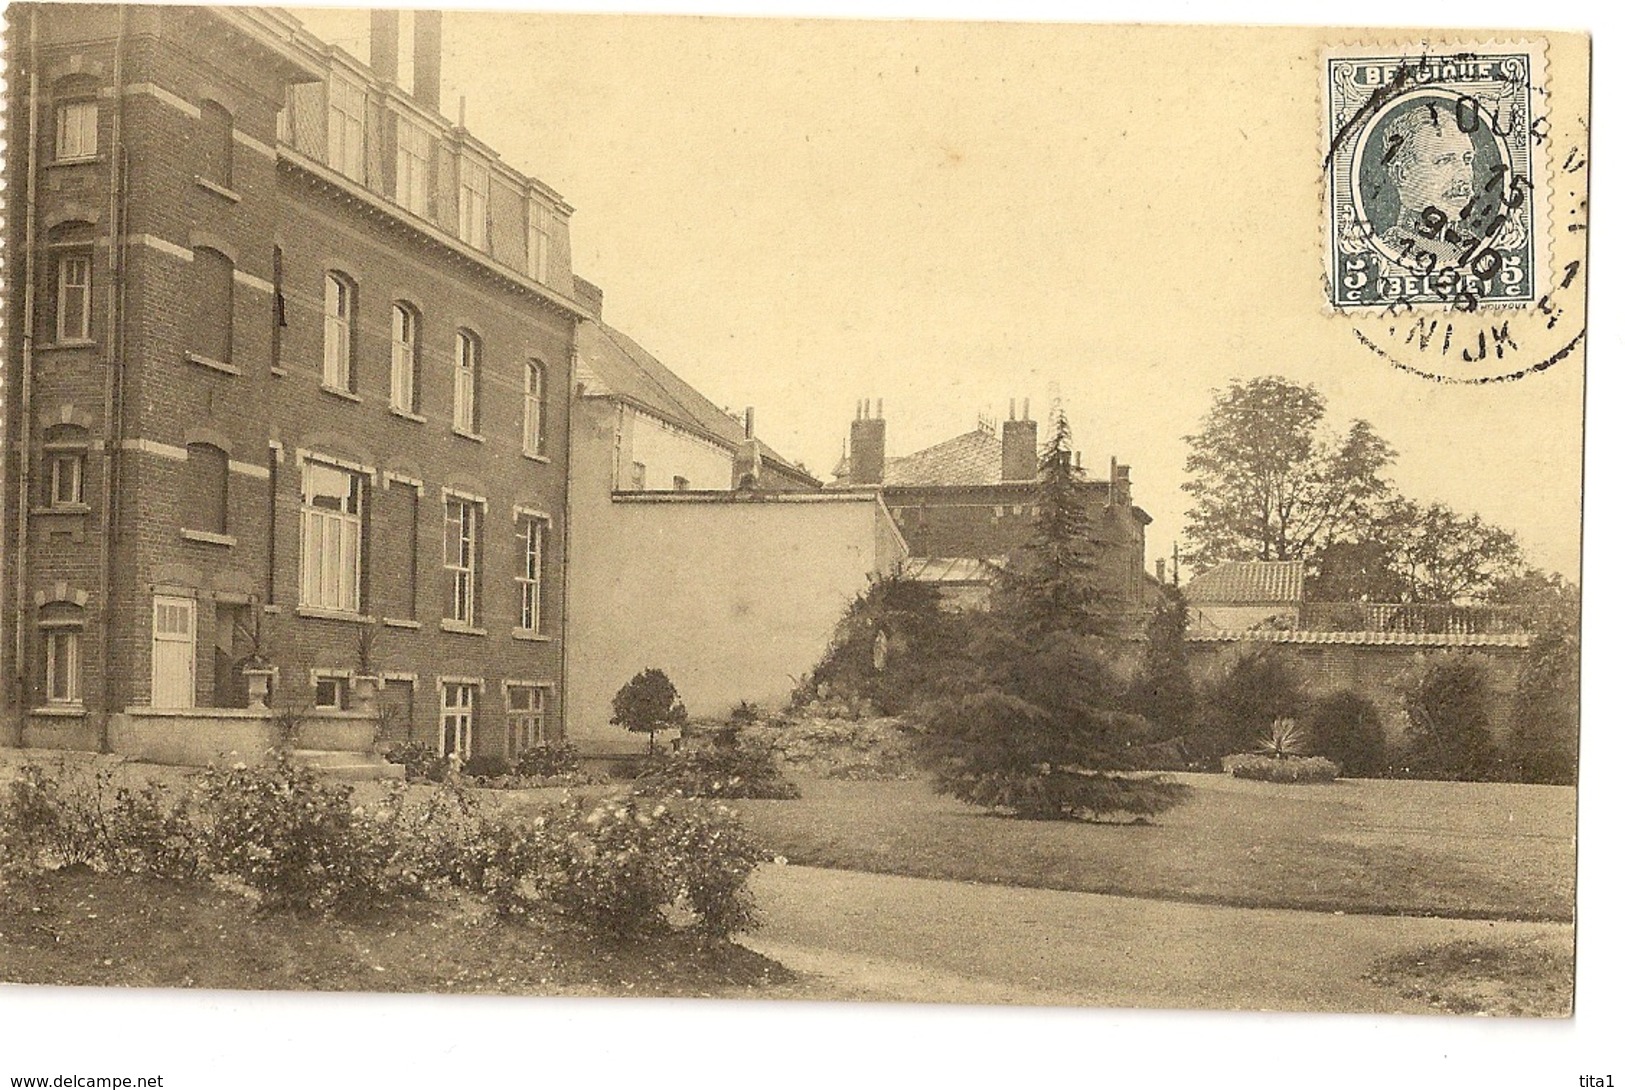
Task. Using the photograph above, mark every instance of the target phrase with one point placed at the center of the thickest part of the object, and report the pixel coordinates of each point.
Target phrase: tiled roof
(1392, 639)
(975, 458)
(1248, 582)
(614, 365)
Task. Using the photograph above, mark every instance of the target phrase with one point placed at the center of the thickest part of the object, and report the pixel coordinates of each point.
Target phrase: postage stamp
(1435, 184)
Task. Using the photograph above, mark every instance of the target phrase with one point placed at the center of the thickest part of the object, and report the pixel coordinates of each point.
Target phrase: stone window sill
(531, 637)
(76, 161)
(398, 622)
(217, 189)
(339, 392)
(535, 457)
(408, 414)
(76, 509)
(60, 711)
(321, 614)
(461, 629)
(474, 436)
(213, 364)
(69, 343)
(208, 537)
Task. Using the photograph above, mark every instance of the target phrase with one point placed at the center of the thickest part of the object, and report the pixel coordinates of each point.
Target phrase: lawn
(1489, 851)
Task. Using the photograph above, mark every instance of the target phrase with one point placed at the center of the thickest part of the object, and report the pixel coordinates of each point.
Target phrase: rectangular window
(462, 529)
(403, 358)
(465, 390)
(640, 476)
(532, 535)
(67, 469)
(174, 652)
(73, 297)
(347, 128)
(76, 130)
(62, 666)
(414, 151)
(536, 241)
(279, 307)
(527, 718)
(474, 198)
(331, 690)
(456, 719)
(535, 437)
(331, 556)
(338, 346)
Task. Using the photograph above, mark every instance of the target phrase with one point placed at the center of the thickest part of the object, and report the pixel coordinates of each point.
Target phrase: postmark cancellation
(1435, 184)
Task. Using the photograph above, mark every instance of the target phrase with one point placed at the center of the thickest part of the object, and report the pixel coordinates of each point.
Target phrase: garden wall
(1374, 664)
(198, 736)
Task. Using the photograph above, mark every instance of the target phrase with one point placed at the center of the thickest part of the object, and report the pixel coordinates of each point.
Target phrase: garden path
(887, 938)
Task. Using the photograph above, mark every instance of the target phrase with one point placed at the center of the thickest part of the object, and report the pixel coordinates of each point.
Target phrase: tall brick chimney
(384, 54)
(867, 464)
(426, 58)
(1020, 461)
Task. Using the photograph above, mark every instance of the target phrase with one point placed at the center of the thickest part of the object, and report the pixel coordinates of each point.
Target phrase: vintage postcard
(541, 505)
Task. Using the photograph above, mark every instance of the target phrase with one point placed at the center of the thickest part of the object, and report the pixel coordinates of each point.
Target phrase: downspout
(25, 437)
(569, 527)
(113, 399)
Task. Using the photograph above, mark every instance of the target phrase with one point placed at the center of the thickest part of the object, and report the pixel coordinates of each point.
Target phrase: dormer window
(474, 183)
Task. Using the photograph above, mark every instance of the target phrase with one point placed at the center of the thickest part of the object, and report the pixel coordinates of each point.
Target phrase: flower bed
(1257, 766)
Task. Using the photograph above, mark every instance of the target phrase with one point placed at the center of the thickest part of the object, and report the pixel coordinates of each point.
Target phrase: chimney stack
(750, 422)
(867, 465)
(426, 58)
(384, 56)
(1020, 452)
(1122, 491)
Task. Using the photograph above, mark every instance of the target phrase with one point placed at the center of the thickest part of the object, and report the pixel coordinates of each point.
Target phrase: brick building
(288, 366)
(972, 498)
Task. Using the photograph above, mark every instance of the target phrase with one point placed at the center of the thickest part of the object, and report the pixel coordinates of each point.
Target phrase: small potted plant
(366, 682)
(256, 666)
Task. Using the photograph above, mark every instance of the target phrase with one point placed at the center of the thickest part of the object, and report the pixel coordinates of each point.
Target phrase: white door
(174, 652)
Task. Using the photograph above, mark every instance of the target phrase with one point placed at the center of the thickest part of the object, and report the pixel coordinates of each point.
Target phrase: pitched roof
(975, 458)
(948, 569)
(611, 364)
(1249, 581)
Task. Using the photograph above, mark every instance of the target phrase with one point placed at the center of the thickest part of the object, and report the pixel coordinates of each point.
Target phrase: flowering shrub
(625, 866)
(1257, 766)
(548, 759)
(726, 767)
(423, 764)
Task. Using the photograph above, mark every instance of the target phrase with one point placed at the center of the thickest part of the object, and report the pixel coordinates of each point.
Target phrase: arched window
(339, 333)
(404, 340)
(62, 626)
(214, 128)
(207, 472)
(212, 304)
(465, 387)
(66, 446)
(535, 436)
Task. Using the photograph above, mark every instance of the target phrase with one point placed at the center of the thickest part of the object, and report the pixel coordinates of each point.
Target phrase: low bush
(486, 766)
(548, 759)
(626, 866)
(423, 764)
(724, 766)
(1258, 766)
(1345, 727)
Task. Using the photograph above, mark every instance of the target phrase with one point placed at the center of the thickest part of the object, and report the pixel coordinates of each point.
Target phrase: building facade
(973, 499)
(288, 376)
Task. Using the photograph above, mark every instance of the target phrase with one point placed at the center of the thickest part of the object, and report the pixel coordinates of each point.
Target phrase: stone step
(345, 765)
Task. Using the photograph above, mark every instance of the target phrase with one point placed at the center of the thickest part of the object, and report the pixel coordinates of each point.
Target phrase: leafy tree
(1441, 556)
(1546, 722)
(1272, 482)
(1347, 727)
(648, 704)
(1448, 707)
(1162, 689)
(1052, 583)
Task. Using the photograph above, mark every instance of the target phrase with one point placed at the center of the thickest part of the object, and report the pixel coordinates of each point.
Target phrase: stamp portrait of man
(1430, 166)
